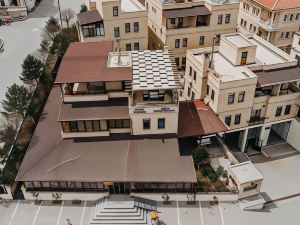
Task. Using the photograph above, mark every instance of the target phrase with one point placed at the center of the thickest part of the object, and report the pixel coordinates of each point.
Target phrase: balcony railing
(256, 120)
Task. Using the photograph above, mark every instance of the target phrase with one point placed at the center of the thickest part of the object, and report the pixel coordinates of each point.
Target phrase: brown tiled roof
(89, 17)
(185, 12)
(279, 4)
(117, 158)
(110, 109)
(198, 119)
(269, 77)
(87, 62)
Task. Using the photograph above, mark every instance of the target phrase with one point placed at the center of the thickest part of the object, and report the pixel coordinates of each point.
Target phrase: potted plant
(76, 202)
(56, 198)
(36, 200)
(166, 199)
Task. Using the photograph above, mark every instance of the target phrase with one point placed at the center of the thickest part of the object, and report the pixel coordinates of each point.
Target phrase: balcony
(256, 120)
(98, 91)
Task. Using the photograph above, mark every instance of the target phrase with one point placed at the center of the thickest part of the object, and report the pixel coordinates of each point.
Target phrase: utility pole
(61, 24)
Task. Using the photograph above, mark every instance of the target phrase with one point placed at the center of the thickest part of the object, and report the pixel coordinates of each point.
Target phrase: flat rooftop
(226, 71)
(116, 108)
(154, 70)
(131, 6)
(246, 172)
(87, 62)
(238, 40)
(121, 158)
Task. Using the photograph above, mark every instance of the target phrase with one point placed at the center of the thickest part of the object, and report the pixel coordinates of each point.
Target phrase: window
(183, 61)
(66, 126)
(285, 17)
(136, 27)
(278, 111)
(237, 119)
(146, 124)
(93, 30)
(250, 187)
(193, 95)
(189, 91)
(81, 126)
(217, 38)
(227, 18)
(195, 75)
(201, 40)
(128, 47)
(154, 96)
(212, 97)
(207, 90)
(2, 3)
(184, 42)
(172, 20)
(231, 98)
(88, 126)
(127, 27)
(177, 61)
(228, 120)
(117, 32)
(161, 123)
(220, 19)
(241, 96)
(177, 43)
(191, 71)
(73, 126)
(117, 124)
(136, 46)
(287, 109)
(115, 11)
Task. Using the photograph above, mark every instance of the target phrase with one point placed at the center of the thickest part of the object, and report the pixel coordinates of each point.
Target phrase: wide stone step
(118, 205)
(136, 212)
(121, 220)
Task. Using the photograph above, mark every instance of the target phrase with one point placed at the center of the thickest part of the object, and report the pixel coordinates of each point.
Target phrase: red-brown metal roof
(87, 62)
(198, 119)
(279, 4)
(89, 17)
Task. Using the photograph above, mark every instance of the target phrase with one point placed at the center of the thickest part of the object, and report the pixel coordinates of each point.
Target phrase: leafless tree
(67, 15)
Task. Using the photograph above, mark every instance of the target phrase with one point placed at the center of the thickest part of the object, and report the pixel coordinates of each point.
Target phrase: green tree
(65, 37)
(51, 29)
(17, 100)
(200, 155)
(83, 8)
(32, 69)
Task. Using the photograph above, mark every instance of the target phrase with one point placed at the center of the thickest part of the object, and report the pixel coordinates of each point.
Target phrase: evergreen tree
(51, 29)
(83, 8)
(200, 155)
(17, 100)
(32, 69)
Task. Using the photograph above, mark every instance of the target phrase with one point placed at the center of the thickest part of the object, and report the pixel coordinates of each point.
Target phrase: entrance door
(244, 58)
(119, 188)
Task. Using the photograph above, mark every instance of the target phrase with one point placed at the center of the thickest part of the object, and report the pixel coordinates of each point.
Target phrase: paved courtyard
(23, 38)
(178, 213)
(281, 176)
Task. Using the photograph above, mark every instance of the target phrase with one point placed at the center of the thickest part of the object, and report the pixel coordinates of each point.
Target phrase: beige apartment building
(274, 20)
(124, 22)
(250, 84)
(188, 24)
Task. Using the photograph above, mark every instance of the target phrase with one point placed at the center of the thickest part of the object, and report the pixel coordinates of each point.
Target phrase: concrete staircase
(119, 209)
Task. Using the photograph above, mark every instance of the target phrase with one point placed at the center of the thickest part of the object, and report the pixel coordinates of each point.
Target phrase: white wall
(293, 137)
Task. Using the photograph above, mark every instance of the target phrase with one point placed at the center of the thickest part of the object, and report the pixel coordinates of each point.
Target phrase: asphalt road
(23, 38)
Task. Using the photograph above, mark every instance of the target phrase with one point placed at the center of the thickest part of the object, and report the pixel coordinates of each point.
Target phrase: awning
(198, 119)
(277, 76)
(89, 17)
(186, 12)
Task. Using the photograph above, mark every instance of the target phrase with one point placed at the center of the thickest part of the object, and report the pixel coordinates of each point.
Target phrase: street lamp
(61, 24)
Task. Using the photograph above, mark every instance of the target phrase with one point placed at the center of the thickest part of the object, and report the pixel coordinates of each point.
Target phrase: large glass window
(81, 127)
(96, 125)
(96, 87)
(118, 124)
(177, 43)
(73, 126)
(241, 96)
(220, 19)
(227, 18)
(103, 125)
(184, 42)
(66, 126)
(154, 96)
(93, 30)
(89, 126)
